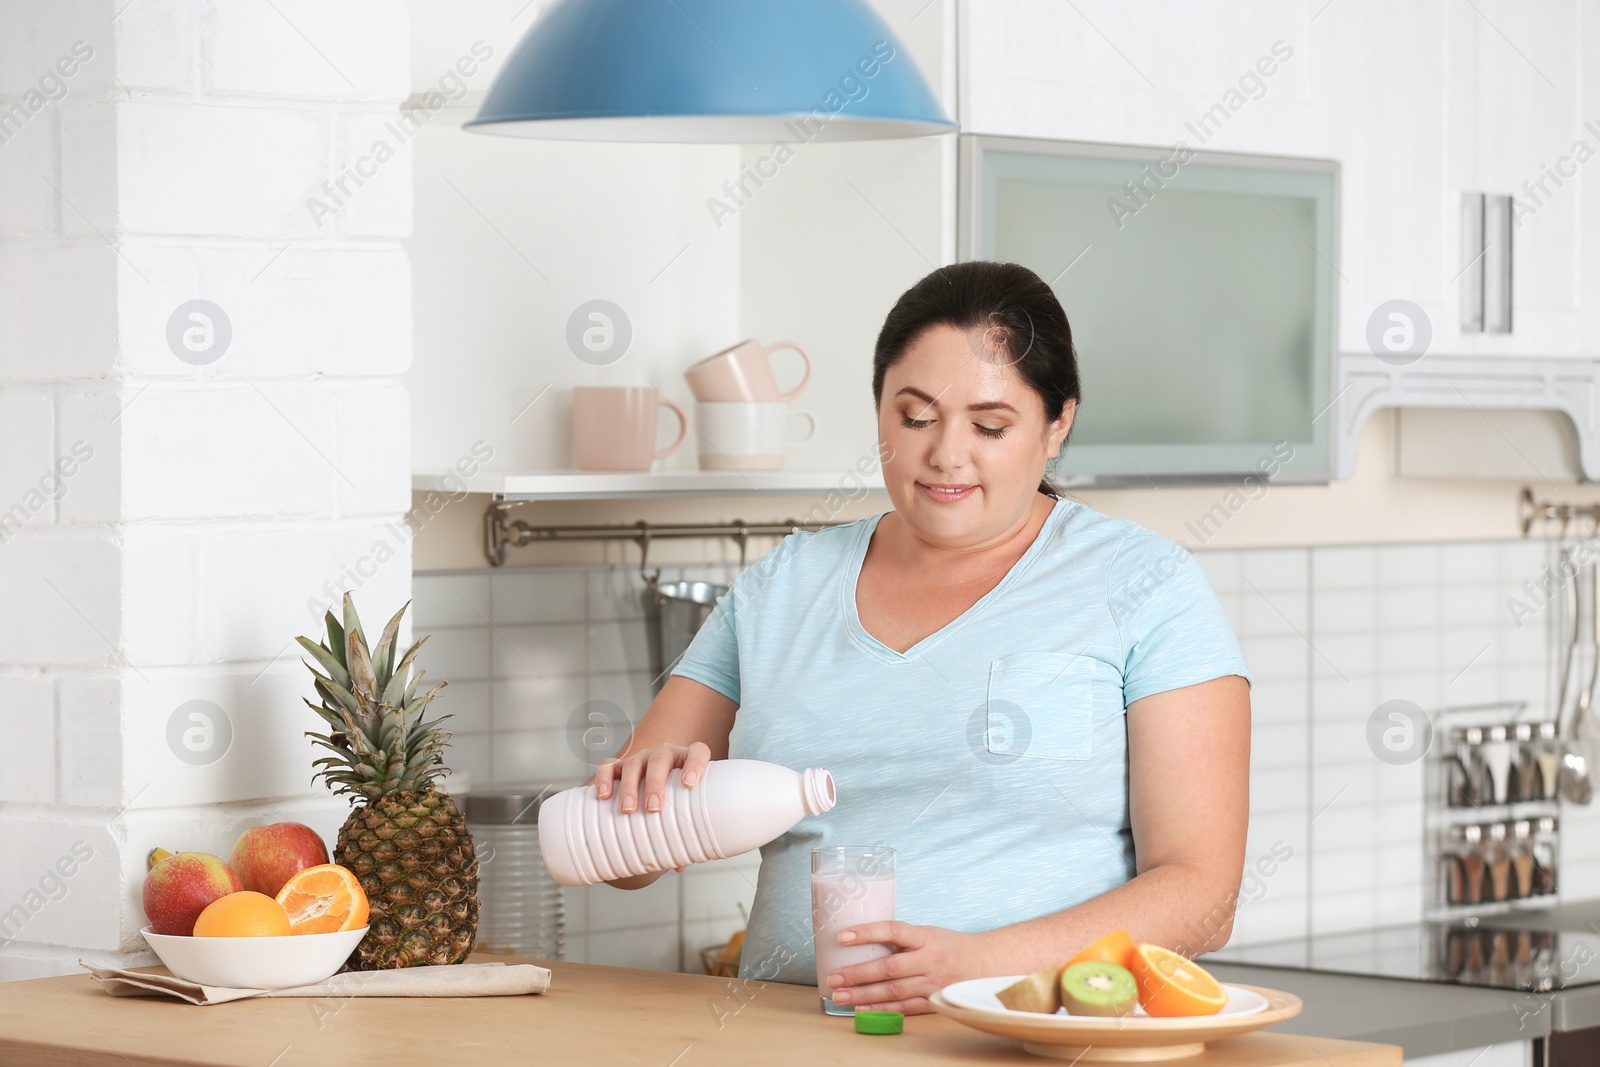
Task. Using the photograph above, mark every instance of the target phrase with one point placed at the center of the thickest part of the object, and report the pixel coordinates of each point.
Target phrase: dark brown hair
(1023, 322)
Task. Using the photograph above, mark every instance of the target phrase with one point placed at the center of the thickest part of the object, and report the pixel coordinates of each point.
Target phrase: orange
(1116, 947)
(324, 899)
(242, 914)
(1170, 984)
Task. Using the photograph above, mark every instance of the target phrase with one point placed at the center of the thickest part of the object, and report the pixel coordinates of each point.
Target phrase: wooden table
(599, 1016)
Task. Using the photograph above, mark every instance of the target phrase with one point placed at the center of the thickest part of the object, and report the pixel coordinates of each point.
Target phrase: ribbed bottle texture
(737, 805)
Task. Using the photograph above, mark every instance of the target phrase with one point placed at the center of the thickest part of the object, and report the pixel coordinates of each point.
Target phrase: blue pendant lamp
(752, 71)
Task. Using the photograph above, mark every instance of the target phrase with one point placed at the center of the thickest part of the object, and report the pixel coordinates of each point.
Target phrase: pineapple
(405, 841)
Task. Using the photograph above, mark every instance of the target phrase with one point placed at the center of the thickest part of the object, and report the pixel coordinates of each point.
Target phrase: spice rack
(1492, 816)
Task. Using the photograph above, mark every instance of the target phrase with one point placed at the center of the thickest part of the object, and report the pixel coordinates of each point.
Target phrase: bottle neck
(818, 791)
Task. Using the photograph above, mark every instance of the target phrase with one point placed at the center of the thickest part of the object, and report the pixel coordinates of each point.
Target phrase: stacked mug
(744, 415)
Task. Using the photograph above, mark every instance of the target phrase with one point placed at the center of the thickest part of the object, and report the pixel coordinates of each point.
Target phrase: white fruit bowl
(255, 962)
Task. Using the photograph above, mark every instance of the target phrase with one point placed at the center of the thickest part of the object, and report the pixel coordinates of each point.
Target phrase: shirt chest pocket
(1041, 706)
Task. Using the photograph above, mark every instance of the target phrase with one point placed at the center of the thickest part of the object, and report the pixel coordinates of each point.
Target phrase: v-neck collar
(852, 578)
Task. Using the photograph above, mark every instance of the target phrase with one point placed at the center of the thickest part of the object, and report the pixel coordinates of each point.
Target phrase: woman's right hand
(644, 774)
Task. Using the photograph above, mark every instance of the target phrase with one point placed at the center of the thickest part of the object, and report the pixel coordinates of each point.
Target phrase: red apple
(268, 856)
(178, 889)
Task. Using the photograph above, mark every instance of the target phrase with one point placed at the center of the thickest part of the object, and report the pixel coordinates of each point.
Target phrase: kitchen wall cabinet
(1418, 103)
(1516, 123)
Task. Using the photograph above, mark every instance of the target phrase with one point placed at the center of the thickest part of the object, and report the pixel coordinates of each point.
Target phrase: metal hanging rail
(501, 533)
(1532, 511)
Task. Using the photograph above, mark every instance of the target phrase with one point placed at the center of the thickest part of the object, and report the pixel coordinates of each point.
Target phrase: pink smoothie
(841, 901)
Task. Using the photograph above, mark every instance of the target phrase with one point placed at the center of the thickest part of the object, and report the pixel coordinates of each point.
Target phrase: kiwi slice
(1096, 987)
(1039, 991)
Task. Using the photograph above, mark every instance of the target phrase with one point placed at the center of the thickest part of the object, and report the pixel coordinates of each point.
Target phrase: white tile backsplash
(1273, 569)
(455, 653)
(537, 703)
(629, 691)
(466, 702)
(450, 600)
(525, 597)
(539, 651)
(622, 909)
(618, 645)
(1330, 633)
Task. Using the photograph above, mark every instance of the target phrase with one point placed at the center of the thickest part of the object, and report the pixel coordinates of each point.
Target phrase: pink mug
(614, 427)
(744, 373)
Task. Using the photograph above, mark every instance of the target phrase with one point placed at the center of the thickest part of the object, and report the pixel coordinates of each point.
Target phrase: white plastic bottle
(737, 805)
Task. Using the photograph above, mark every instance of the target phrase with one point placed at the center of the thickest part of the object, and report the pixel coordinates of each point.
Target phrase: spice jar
(1497, 858)
(1464, 868)
(1547, 753)
(1544, 857)
(1524, 781)
(1521, 859)
(1496, 755)
(1466, 774)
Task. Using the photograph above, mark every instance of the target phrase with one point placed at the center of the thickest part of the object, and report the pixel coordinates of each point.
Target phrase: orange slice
(1116, 947)
(1170, 984)
(242, 914)
(323, 900)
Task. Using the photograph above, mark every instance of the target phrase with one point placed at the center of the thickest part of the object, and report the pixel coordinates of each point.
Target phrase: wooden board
(592, 1015)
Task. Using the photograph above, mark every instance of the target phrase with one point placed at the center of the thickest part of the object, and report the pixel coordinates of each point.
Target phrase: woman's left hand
(925, 960)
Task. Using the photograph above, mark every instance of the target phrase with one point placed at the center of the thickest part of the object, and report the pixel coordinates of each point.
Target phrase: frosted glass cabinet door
(1200, 293)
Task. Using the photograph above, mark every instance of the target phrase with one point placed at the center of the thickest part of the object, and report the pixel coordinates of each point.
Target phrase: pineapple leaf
(335, 636)
(427, 698)
(383, 656)
(352, 625)
(391, 729)
(361, 677)
(329, 716)
(329, 661)
(336, 694)
(395, 691)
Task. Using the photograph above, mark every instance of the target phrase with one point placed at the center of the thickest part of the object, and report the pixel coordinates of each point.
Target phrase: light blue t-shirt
(992, 755)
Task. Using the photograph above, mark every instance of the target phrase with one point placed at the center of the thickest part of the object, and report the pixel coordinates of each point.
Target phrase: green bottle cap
(880, 1022)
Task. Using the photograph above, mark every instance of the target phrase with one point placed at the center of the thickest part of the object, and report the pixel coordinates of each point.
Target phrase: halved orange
(1170, 984)
(323, 900)
(1116, 947)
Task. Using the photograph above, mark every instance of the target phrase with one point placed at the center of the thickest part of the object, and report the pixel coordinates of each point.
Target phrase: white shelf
(600, 485)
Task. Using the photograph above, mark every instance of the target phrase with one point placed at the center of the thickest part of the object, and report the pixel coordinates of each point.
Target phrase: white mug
(741, 436)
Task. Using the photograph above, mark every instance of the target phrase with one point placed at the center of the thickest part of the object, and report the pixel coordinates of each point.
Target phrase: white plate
(1097, 1039)
(979, 994)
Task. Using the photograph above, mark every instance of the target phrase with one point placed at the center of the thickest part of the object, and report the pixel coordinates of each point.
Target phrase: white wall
(512, 235)
(204, 512)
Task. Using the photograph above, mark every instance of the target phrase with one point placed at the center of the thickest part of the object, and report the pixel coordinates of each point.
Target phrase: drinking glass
(850, 885)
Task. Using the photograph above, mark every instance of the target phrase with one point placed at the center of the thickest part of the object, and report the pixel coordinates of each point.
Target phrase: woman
(1042, 709)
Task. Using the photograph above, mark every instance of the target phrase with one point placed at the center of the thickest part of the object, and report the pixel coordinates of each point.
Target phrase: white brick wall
(345, 321)
(46, 330)
(210, 510)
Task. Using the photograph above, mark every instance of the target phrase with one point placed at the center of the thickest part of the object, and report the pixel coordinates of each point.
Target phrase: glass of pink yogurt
(850, 885)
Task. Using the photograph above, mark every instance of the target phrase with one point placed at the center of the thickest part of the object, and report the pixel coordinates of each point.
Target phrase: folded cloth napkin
(457, 980)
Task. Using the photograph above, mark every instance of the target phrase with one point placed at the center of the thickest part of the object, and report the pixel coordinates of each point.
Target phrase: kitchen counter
(1570, 1009)
(591, 1014)
(1424, 1018)
(1428, 1018)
